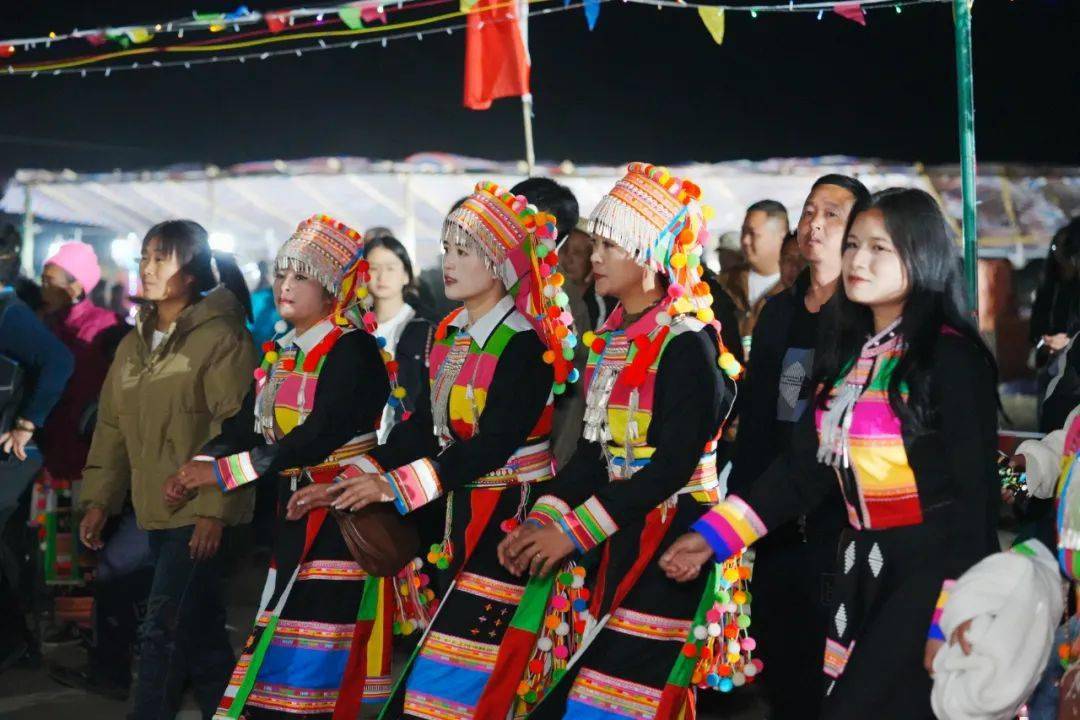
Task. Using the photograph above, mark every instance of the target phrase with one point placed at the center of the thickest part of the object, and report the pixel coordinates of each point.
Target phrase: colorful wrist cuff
(936, 633)
(414, 485)
(547, 510)
(729, 527)
(234, 471)
(588, 525)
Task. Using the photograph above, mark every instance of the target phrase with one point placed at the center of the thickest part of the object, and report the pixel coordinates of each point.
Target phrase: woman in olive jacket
(175, 378)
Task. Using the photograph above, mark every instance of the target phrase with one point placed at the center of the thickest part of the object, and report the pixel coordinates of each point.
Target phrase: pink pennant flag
(372, 11)
(97, 39)
(852, 11)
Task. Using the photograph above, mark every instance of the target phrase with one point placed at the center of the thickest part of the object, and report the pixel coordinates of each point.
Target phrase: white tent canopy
(251, 208)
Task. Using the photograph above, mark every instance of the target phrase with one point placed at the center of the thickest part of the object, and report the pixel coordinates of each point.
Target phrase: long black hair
(191, 244)
(383, 238)
(1057, 301)
(935, 303)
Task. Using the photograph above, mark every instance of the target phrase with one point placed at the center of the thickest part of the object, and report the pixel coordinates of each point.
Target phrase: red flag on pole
(496, 52)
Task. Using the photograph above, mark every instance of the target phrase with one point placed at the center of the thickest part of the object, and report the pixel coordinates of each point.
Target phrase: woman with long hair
(320, 646)
(478, 445)
(401, 332)
(906, 422)
(644, 469)
(174, 380)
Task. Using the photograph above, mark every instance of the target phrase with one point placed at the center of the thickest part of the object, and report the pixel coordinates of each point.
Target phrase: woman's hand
(176, 494)
(357, 493)
(539, 551)
(206, 538)
(933, 646)
(316, 495)
(684, 559)
(90, 528)
(511, 540)
(195, 474)
(1057, 342)
(1018, 463)
(14, 441)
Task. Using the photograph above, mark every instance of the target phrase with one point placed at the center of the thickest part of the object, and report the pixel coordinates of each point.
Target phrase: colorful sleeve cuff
(547, 510)
(588, 524)
(235, 471)
(729, 527)
(362, 465)
(936, 633)
(414, 485)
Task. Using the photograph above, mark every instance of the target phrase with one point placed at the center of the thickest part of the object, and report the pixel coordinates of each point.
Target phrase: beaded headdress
(659, 219)
(517, 242)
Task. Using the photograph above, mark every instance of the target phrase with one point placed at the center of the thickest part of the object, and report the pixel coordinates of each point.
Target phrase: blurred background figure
(729, 253)
(34, 368)
(791, 260)
(751, 284)
(1055, 321)
(401, 331)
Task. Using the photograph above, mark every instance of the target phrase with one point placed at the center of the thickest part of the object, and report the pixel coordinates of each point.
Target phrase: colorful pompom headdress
(659, 219)
(332, 254)
(517, 242)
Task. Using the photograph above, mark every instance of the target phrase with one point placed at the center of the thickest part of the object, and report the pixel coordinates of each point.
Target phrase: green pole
(966, 114)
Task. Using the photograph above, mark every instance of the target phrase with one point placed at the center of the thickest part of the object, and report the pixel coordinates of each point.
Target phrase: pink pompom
(567, 319)
(545, 270)
(260, 374)
(675, 291)
(749, 644)
(713, 615)
(561, 652)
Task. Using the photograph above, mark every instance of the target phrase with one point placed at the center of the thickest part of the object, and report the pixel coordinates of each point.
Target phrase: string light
(58, 68)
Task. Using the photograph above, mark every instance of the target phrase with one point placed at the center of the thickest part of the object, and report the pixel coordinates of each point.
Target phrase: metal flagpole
(966, 116)
(526, 112)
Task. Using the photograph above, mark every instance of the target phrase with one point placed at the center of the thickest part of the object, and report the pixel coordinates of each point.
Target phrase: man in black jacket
(789, 581)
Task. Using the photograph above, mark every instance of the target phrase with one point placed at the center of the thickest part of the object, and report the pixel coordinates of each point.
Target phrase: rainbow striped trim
(588, 524)
(360, 465)
(836, 657)
(459, 652)
(650, 627)
(430, 707)
(936, 633)
(547, 511)
(489, 588)
(414, 485)
(330, 570)
(615, 697)
(235, 471)
(729, 527)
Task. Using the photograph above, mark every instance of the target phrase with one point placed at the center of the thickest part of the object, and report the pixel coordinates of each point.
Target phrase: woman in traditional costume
(656, 400)
(479, 443)
(321, 642)
(906, 421)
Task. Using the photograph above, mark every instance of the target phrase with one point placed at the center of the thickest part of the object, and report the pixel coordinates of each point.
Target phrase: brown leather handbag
(379, 539)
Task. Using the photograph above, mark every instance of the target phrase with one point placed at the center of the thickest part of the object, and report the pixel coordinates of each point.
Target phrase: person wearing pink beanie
(67, 279)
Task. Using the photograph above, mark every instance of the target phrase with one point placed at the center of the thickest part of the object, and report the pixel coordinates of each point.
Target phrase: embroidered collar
(643, 325)
(483, 327)
(309, 339)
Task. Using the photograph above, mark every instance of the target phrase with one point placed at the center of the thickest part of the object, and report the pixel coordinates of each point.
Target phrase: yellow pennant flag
(467, 5)
(714, 22)
(139, 35)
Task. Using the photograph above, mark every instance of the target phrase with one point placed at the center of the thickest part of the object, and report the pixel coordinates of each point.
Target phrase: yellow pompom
(407, 628)
(705, 315)
(731, 575)
(682, 305)
(727, 360)
(271, 357)
(588, 338)
(708, 212)
(361, 292)
(678, 260)
(398, 392)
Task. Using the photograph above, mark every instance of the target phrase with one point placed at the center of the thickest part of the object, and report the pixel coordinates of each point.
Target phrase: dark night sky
(645, 85)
